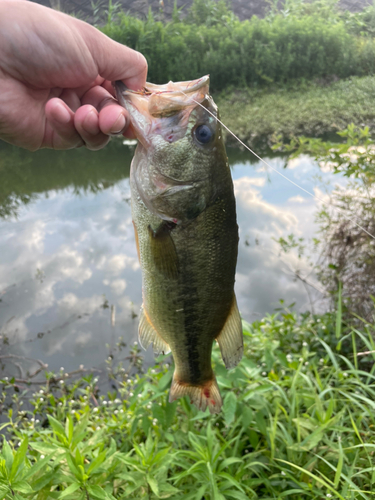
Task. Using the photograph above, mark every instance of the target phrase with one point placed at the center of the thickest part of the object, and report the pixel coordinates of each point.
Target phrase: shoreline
(262, 117)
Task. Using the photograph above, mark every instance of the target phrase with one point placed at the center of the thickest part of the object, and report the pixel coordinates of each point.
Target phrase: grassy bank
(298, 423)
(256, 115)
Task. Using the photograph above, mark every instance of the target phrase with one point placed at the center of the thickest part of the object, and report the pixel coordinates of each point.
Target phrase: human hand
(55, 79)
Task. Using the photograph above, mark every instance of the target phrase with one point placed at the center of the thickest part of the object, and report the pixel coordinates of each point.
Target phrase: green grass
(298, 422)
(305, 109)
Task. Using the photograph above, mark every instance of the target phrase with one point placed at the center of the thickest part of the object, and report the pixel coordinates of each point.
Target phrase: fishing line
(280, 173)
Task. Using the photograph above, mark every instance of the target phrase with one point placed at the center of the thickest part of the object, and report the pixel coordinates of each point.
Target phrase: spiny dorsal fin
(148, 335)
(163, 249)
(230, 338)
(203, 396)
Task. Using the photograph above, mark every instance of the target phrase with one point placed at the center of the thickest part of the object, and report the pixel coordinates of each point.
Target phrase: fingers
(113, 119)
(60, 131)
(97, 116)
(86, 121)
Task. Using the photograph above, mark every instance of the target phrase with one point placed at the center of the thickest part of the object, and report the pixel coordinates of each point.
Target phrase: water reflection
(67, 249)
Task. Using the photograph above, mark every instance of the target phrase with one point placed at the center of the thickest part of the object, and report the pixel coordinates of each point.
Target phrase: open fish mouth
(162, 109)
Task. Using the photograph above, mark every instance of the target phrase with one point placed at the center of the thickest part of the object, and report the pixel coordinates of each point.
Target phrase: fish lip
(161, 109)
(151, 88)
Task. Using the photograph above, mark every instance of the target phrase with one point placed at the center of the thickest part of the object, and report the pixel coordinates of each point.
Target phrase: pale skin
(55, 79)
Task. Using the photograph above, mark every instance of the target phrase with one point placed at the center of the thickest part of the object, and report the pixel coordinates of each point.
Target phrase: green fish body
(184, 217)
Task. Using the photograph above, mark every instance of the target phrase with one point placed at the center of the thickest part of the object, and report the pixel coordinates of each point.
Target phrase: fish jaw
(162, 109)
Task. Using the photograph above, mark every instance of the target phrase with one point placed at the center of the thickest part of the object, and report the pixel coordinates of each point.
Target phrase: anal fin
(203, 396)
(148, 335)
(230, 339)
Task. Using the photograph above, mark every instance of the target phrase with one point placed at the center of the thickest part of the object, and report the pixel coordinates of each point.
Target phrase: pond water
(70, 282)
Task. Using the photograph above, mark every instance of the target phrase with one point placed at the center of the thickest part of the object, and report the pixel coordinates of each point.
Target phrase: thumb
(116, 61)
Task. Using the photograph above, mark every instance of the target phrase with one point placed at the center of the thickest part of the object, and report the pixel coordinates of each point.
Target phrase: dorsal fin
(230, 339)
(148, 335)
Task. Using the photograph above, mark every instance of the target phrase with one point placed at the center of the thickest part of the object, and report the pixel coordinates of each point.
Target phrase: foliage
(212, 40)
(347, 232)
(297, 423)
(281, 113)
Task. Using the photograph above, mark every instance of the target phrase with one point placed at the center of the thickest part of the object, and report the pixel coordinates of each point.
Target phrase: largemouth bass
(184, 218)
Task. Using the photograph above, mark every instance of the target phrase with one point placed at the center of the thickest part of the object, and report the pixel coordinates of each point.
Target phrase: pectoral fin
(148, 335)
(163, 250)
(230, 339)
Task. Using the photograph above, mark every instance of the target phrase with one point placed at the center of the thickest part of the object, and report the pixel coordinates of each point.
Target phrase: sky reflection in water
(67, 250)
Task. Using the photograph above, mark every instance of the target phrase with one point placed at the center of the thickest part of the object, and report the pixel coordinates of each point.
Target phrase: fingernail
(62, 115)
(118, 126)
(90, 123)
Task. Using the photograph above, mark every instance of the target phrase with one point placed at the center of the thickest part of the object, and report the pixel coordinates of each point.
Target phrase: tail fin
(203, 396)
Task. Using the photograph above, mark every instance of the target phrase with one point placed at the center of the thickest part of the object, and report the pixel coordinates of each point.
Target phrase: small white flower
(345, 374)
(81, 367)
(61, 382)
(263, 364)
(155, 421)
(264, 374)
(41, 391)
(95, 410)
(96, 379)
(121, 411)
(6, 378)
(129, 381)
(148, 407)
(37, 421)
(321, 360)
(135, 342)
(72, 401)
(104, 402)
(98, 428)
(153, 371)
(85, 397)
(306, 363)
(300, 359)
(283, 473)
(328, 494)
(139, 395)
(131, 394)
(115, 412)
(117, 401)
(60, 404)
(41, 399)
(42, 456)
(33, 419)
(62, 369)
(305, 344)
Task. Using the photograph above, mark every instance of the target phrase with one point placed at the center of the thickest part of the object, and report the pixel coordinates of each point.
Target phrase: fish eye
(203, 134)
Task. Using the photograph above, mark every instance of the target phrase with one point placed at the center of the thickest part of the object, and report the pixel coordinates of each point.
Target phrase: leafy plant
(297, 422)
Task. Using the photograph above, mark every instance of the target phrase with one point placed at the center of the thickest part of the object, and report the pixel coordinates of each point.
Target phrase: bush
(297, 423)
(255, 52)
